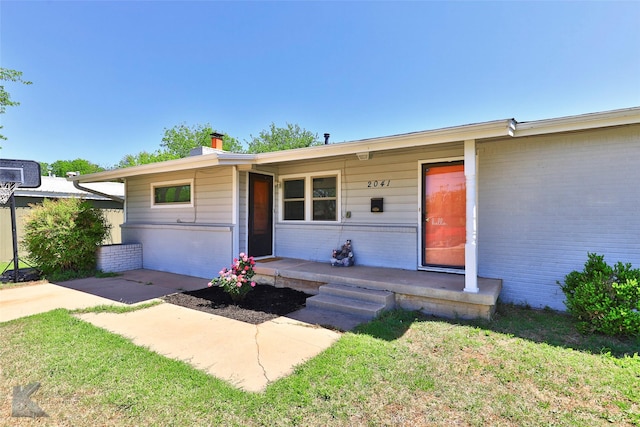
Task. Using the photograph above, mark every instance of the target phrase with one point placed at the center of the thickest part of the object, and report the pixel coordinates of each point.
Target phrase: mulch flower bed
(263, 303)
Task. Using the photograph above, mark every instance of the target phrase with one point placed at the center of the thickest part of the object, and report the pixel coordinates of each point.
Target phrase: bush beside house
(603, 298)
(59, 188)
(63, 235)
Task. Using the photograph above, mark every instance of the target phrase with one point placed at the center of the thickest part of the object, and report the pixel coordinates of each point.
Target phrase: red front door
(444, 215)
(260, 215)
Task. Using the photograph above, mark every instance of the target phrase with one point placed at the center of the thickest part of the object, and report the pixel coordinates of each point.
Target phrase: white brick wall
(192, 249)
(116, 258)
(391, 246)
(546, 201)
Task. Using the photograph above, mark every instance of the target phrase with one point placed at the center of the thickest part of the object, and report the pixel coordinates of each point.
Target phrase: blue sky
(109, 76)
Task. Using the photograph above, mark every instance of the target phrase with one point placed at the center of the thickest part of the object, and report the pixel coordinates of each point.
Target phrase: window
(324, 199)
(294, 199)
(310, 198)
(171, 194)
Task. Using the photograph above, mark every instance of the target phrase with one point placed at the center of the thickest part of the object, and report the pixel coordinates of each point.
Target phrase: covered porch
(434, 293)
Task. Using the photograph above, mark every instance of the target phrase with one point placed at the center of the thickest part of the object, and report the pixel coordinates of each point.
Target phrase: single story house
(523, 202)
(110, 203)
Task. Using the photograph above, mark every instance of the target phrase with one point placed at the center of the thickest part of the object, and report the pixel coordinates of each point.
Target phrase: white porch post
(235, 221)
(471, 247)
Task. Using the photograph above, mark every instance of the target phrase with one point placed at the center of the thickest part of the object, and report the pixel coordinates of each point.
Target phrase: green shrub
(62, 235)
(604, 299)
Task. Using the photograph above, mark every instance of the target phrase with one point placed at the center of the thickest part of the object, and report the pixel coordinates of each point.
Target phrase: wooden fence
(115, 217)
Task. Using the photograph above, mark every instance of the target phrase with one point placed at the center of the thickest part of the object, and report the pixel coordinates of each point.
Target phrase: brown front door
(260, 215)
(444, 215)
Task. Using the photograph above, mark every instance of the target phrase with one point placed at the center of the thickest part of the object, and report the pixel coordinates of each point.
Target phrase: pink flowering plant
(236, 281)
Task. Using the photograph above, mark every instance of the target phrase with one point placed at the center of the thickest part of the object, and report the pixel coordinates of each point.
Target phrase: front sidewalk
(247, 356)
(22, 301)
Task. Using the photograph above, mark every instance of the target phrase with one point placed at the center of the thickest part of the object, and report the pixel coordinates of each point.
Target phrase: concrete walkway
(136, 286)
(247, 356)
(33, 299)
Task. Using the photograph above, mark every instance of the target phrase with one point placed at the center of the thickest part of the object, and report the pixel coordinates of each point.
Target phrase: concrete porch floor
(439, 294)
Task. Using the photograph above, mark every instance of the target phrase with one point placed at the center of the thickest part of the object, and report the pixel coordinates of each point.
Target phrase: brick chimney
(216, 141)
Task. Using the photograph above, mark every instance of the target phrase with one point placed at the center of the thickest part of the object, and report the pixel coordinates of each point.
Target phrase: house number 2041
(379, 183)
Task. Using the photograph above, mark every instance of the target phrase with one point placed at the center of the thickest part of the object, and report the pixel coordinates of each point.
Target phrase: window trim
(171, 205)
(308, 196)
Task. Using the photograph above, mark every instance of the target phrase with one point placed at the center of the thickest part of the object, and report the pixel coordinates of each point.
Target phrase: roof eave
(459, 133)
(492, 129)
(620, 117)
(439, 136)
(54, 194)
(187, 163)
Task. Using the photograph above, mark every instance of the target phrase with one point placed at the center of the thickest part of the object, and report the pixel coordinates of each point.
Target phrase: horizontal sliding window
(175, 193)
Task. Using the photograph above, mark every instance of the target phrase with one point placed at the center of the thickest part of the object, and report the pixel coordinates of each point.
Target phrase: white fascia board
(235, 159)
(439, 136)
(492, 129)
(220, 158)
(58, 195)
(187, 163)
(581, 122)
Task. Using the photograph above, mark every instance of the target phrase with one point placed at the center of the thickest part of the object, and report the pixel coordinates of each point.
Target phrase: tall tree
(230, 144)
(5, 99)
(61, 167)
(282, 138)
(181, 139)
(177, 142)
(44, 168)
(143, 158)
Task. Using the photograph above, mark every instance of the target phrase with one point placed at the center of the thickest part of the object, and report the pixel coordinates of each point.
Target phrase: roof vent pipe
(326, 138)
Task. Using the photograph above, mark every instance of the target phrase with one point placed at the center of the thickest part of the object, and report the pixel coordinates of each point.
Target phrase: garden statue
(343, 257)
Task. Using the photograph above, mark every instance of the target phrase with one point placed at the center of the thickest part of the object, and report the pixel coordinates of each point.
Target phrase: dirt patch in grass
(263, 303)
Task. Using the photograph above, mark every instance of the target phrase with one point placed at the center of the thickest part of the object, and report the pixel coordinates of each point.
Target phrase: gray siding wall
(212, 204)
(195, 240)
(387, 239)
(545, 201)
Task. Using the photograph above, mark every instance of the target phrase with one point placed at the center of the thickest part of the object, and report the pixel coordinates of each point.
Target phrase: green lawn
(9, 264)
(526, 368)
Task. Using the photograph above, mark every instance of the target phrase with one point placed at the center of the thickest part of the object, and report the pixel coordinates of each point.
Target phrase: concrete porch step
(435, 293)
(359, 302)
(353, 292)
(325, 318)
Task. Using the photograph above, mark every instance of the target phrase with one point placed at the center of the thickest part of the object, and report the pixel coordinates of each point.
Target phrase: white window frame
(174, 205)
(308, 196)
